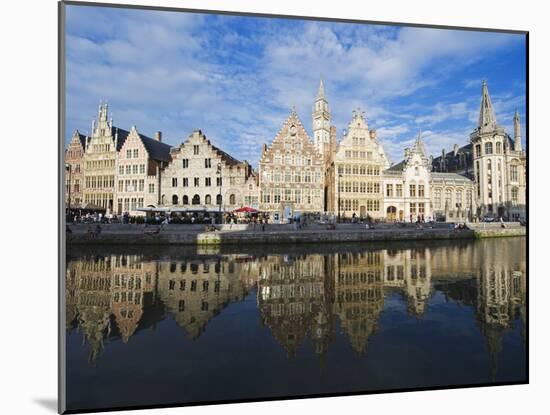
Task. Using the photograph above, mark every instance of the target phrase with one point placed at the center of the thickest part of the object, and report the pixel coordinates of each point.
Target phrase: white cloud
(442, 112)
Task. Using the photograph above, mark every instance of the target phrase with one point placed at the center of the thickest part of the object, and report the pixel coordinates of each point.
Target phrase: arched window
(514, 171)
(162, 200)
(175, 199)
(232, 199)
(196, 200)
(498, 147)
(208, 200)
(219, 199)
(489, 148)
(448, 198)
(185, 200)
(514, 196)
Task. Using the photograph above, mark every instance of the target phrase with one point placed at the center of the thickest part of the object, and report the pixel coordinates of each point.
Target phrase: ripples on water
(148, 326)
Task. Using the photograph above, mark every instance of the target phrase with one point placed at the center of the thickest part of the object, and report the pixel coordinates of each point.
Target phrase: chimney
(158, 136)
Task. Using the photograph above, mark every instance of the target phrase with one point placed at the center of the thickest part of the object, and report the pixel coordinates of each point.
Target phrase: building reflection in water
(299, 296)
(196, 290)
(294, 298)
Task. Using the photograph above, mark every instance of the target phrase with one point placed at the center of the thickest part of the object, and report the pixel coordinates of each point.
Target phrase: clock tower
(321, 121)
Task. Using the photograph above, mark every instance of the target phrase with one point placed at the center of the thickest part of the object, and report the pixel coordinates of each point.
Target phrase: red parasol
(246, 209)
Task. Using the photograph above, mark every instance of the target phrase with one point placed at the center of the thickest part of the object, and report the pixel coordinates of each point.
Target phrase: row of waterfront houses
(124, 171)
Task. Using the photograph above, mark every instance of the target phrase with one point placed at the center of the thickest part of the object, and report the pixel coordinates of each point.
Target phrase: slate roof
(122, 136)
(82, 139)
(157, 150)
(454, 162)
(397, 166)
(450, 176)
(232, 161)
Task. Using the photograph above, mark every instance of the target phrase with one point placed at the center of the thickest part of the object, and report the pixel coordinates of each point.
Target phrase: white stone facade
(100, 162)
(499, 170)
(203, 178)
(359, 163)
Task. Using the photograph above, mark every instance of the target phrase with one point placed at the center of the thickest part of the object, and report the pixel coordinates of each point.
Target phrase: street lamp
(339, 185)
(68, 168)
(219, 172)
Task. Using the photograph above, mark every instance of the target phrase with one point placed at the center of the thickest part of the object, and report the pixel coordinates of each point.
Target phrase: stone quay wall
(495, 230)
(118, 234)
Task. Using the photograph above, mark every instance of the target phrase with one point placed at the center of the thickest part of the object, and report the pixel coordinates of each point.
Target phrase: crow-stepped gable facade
(74, 166)
(201, 177)
(291, 173)
(139, 166)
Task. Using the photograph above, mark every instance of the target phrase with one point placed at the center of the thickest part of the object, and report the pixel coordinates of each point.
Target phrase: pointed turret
(321, 121)
(517, 132)
(419, 145)
(487, 119)
(321, 91)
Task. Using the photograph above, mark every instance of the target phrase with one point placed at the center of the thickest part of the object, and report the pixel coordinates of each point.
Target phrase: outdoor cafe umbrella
(245, 209)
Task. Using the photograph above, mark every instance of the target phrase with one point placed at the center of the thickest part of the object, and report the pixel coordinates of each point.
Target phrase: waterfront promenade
(279, 234)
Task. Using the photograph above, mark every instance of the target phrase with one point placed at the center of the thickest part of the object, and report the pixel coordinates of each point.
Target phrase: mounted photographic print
(258, 207)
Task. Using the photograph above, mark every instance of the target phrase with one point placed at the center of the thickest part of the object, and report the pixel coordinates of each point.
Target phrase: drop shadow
(48, 403)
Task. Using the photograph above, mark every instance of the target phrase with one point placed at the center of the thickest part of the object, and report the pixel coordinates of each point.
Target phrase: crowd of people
(258, 220)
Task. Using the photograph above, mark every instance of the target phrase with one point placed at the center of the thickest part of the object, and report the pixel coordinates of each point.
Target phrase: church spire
(517, 132)
(321, 121)
(321, 92)
(487, 117)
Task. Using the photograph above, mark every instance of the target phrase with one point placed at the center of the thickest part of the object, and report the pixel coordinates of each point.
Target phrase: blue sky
(236, 78)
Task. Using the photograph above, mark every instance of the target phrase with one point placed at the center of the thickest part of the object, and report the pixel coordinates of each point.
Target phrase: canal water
(169, 325)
